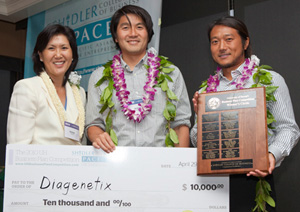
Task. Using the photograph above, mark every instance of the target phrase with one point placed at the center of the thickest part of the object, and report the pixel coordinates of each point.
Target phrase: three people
(49, 108)
(45, 108)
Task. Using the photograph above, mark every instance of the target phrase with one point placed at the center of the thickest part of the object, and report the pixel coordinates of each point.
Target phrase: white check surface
(42, 178)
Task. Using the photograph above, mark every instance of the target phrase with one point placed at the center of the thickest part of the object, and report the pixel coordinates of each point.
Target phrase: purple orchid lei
(123, 94)
(250, 64)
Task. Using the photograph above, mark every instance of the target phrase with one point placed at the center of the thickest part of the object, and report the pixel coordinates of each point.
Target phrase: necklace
(158, 70)
(250, 64)
(58, 105)
(137, 115)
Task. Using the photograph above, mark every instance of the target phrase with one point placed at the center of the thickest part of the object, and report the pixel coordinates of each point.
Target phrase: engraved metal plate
(210, 136)
(232, 164)
(211, 154)
(227, 125)
(231, 143)
(230, 115)
(230, 153)
(210, 145)
(230, 101)
(230, 134)
(210, 117)
(210, 127)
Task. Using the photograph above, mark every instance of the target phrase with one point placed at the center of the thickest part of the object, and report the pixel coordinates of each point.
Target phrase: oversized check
(42, 178)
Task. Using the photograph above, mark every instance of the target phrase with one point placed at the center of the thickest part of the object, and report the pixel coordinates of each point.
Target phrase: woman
(47, 108)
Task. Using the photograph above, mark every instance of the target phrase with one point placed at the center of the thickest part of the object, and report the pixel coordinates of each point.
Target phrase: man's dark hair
(236, 24)
(42, 41)
(135, 10)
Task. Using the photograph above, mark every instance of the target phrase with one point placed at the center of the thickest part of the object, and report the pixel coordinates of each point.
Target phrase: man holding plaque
(139, 98)
(231, 50)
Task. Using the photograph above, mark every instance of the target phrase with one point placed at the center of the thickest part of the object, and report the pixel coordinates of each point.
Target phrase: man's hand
(100, 139)
(195, 101)
(104, 142)
(258, 173)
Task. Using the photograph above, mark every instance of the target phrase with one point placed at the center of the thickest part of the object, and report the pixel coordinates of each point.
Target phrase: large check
(42, 178)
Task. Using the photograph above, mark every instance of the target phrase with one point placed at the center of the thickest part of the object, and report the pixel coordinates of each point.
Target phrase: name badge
(71, 131)
(135, 104)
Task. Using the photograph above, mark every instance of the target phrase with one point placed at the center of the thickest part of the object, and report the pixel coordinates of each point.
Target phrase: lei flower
(122, 93)
(213, 81)
(261, 77)
(58, 105)
(158, 68)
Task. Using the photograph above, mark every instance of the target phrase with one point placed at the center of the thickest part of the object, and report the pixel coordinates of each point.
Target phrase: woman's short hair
(42, 41)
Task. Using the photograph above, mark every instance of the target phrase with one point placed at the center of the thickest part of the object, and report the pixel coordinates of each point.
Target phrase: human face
(132, 36)
(57, 56)
(227, 48)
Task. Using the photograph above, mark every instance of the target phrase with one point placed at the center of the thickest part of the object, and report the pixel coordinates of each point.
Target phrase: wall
(274, 27)
(12, 52)
(12, 41)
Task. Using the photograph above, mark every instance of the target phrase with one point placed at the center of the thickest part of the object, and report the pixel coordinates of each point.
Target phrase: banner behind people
(90, 19)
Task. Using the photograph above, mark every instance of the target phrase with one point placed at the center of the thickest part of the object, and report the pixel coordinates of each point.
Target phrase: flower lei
(213, 81)
(122, 93)
(158, 68)
(261, 78)
(58, 105)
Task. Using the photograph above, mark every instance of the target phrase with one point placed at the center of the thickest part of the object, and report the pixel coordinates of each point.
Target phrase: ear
(41, 57)
(246, 43)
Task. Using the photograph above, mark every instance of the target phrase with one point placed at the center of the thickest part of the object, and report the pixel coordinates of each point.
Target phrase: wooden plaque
(232, 132)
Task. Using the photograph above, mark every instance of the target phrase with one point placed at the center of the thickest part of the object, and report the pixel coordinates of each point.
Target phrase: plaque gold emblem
(230, 153)
(230, 134)
(210, 127)
(210, 136)
(230, 143)
(210, 145)
(229, 116)
(229, 124)
(211, 117)
(210, 155)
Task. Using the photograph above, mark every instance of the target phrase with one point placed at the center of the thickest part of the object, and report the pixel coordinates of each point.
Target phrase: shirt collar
(236, 72)
(138, 65)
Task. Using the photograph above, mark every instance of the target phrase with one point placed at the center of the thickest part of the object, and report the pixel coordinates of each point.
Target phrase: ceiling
(14, 11)
(173, 11)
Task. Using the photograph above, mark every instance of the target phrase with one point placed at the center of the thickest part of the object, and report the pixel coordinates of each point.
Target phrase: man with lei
(238, 69)
(138, 98)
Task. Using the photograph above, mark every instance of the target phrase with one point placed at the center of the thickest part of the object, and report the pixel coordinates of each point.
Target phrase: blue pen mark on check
(93, 159)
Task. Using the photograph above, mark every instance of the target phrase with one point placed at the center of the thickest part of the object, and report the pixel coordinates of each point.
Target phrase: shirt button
(137, 92)
(138, 132)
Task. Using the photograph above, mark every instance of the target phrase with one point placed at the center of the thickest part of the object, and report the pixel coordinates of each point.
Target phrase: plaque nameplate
(232, 132)
(210, 145)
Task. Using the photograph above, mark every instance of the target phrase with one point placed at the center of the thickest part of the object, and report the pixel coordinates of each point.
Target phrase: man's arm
(286, 133)
(181, 123)
(182, 132)
(95, 121)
